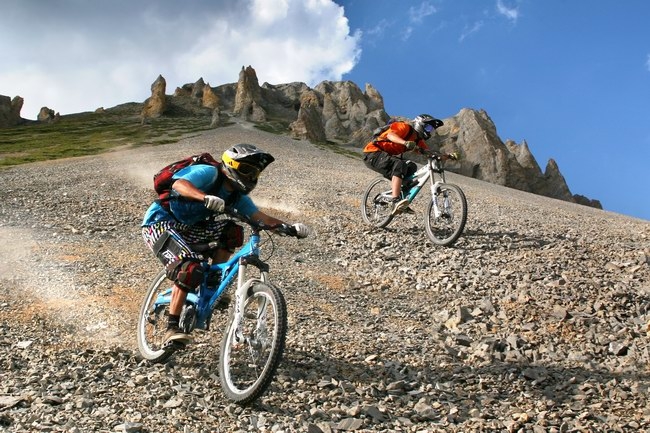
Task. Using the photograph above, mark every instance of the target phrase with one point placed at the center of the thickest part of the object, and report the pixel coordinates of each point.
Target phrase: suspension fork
(241, 293)
(435, 190)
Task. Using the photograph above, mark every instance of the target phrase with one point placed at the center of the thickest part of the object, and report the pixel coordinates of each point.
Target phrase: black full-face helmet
(243, 163)
(425, 124)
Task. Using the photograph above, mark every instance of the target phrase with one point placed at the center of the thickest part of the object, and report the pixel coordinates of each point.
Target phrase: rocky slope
(536, 321)
(333, 112)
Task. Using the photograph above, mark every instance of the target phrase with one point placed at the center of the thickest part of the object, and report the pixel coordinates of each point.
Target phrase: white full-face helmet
(243, 163)
(425, 124)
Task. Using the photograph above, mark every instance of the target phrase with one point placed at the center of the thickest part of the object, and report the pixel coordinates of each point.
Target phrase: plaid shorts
(207, 231)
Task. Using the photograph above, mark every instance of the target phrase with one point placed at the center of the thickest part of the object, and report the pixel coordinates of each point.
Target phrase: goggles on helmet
(428, 127)
(246, 170)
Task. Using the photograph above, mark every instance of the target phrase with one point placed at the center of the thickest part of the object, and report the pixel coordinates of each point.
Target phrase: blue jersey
(203, 177)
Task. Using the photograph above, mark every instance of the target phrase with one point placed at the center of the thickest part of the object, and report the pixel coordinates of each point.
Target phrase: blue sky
(572, 78)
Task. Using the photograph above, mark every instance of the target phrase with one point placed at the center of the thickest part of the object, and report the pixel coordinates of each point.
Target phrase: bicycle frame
(424, 174)
(205, 298)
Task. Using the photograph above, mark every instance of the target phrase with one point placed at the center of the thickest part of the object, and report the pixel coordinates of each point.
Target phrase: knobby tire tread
(274, 359)
(373, 189)
(146, 350)
(462, 213)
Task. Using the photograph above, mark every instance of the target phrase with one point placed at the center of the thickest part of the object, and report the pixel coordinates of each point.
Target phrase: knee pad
(186, 274)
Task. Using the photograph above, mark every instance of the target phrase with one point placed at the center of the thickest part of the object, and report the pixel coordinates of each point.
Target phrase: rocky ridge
(340, 112)
(536, 321)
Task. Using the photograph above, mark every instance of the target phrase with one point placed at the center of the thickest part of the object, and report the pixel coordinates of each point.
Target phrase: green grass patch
(90, 134)
(339, 148)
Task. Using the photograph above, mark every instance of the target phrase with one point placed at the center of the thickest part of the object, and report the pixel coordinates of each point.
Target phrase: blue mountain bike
(254, 339)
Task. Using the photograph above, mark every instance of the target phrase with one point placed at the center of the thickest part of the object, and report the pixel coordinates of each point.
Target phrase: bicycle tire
(246, 369)
(374, 210)
(152, 323)
(445, 229)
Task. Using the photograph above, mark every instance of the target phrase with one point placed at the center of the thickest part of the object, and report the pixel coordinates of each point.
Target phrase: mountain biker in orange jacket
(198, 192)
(381, 154)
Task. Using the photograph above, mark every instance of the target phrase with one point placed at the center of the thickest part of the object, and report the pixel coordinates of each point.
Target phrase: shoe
(176, 336)
(399, 206)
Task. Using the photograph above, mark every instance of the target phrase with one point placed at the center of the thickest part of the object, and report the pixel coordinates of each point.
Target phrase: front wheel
(250, 354)
(376, 206)
(152, 321)
(446, 215)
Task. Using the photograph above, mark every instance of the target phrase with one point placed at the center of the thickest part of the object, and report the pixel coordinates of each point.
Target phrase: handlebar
(283, 229)
(454, 156)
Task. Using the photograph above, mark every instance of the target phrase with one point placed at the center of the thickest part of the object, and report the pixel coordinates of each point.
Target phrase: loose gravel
(537, 320)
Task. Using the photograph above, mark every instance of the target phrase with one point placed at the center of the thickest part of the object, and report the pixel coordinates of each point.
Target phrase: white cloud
(84, 57)
(416, 16)
(406, 33)
(510, 13)
(647, 62)
(419, 13)
(467, 31)
(377, 32)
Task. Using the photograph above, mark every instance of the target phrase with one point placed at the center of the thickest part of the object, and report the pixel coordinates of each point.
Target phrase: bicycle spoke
(446, 216)
(249, 362)
(152, 322)
(375, 206)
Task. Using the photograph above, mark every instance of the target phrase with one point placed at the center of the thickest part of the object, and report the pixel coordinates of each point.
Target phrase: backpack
(381, 129)
(376, 133)
(162, 181)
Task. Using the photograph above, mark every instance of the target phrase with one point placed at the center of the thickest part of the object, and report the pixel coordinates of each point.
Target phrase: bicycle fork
(241, 295)
(435, 191)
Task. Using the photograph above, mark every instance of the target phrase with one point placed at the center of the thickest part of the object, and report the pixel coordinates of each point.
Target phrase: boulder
(10, 111)
(46, 115)
(209, 98)
(484, 156)
(156, 104)
(248, 96)
(309, 124)
(197, 89)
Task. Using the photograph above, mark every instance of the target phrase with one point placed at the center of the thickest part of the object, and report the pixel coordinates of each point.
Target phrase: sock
(172, 321)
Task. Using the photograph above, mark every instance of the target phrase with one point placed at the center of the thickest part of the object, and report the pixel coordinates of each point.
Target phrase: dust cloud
(33, 283)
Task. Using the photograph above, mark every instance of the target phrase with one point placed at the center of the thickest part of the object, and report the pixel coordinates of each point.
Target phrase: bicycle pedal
(173, 346)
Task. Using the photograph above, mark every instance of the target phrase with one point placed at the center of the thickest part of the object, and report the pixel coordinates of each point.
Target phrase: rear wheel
(152, 322)
(446, 215)
(376, 207)
(250, 354)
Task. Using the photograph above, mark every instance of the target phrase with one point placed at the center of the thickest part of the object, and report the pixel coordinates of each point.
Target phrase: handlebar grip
(288, 230)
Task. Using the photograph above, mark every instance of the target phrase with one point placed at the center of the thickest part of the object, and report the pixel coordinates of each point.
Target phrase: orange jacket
(402, 129)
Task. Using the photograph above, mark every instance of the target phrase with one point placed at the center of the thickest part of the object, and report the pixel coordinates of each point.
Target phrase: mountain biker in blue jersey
(198, 191)
(384, 153)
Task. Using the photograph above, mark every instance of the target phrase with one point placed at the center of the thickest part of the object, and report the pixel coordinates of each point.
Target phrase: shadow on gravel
(494, 384)
(478, 239)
